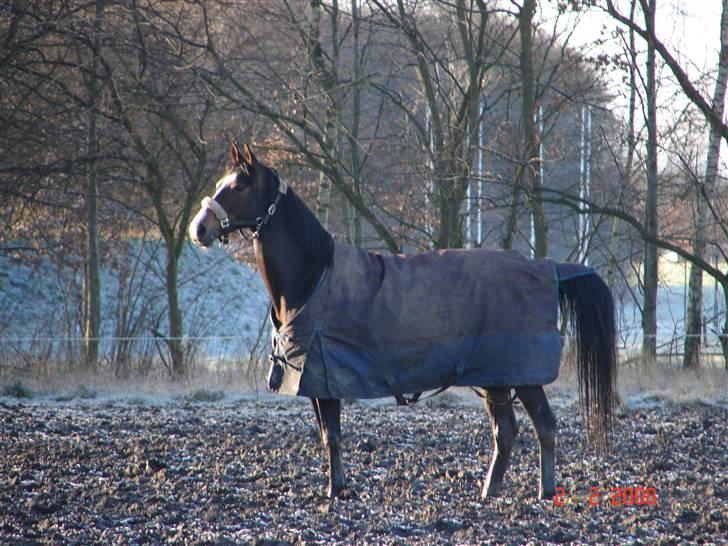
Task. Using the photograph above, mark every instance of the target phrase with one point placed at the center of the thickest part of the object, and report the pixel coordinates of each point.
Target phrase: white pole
(428, 194)
(587, 223)
(716, 301)
(580, 220)
(481, 139)
(468, 202)
(581, 224)
(468, 216)
(584, 152)
(539, 121)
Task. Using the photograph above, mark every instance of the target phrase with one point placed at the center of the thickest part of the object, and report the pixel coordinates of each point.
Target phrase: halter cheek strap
(217, 210)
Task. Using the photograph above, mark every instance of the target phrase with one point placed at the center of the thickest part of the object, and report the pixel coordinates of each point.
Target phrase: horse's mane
(317, 242)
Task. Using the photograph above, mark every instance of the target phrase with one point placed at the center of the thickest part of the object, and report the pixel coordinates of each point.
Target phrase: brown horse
(295, 255)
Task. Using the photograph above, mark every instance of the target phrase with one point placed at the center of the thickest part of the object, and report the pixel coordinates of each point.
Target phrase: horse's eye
(239, 184)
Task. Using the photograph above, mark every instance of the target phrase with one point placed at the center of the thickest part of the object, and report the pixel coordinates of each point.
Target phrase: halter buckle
(225, 223)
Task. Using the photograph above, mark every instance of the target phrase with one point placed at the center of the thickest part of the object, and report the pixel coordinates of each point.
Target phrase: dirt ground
(241, 472)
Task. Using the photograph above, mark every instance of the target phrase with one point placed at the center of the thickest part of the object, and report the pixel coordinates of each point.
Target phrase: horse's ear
(234, 153)
(248, 156)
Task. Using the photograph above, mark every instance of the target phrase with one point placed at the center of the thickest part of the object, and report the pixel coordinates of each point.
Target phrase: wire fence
(136, 356)
(223, 354)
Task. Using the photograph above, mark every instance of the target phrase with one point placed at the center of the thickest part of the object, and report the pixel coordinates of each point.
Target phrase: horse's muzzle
(203, 230)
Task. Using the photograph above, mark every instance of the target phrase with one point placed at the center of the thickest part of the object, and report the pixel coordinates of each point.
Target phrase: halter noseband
(229, 225)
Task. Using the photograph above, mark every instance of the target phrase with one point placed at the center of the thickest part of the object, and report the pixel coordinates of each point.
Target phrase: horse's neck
(287, 274)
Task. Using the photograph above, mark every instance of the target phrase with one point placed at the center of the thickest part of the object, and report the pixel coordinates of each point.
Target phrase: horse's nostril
(201, 230)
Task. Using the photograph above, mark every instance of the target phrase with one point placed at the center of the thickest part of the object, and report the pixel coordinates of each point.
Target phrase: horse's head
(245, 197)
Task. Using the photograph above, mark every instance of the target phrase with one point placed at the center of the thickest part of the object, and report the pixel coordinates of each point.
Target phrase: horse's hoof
(336, 491)
(490, 492)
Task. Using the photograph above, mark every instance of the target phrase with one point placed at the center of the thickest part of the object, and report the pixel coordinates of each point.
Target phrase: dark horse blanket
(379, 325)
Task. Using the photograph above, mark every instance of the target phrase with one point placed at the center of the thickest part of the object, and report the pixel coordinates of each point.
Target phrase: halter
(229, 225)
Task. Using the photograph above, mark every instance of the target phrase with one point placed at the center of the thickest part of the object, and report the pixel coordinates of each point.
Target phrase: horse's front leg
(328, 415)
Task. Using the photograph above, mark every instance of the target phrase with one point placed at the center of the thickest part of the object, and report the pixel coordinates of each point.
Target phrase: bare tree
(650, 279)
(167, 118)
(294, 80)
(713, 116)
(51, 70)
(531, 137)
(452, 77)
(630, 49)
(92, 274)
(705, 190)
(648, 33)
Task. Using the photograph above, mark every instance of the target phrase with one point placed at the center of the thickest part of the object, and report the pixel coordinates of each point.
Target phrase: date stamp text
(634, 495)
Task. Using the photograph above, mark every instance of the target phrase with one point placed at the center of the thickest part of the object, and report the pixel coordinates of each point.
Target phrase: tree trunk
(694, 314)
(450, 200)
(356, 164)
(694, 318)
(92, 284)
(174, 315)
(531, 173)
(511, 223)
(328, 76)
(323, 199)
(649, 312)
(173, 242)
(346, 221)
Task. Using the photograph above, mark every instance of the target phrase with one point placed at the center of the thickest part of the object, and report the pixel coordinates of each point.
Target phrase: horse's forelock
(224, 179)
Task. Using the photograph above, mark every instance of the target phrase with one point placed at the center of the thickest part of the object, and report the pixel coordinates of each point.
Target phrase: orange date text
(633, 495)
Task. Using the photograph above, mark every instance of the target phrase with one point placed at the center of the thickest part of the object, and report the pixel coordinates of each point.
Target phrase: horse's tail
(587, 303)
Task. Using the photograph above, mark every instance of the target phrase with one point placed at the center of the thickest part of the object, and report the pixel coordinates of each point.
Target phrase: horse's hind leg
(316, 411)
(499, 406)
(544, 424)
(328, 414)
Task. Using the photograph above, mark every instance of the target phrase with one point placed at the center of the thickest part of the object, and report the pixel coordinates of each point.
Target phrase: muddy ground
(133, 472)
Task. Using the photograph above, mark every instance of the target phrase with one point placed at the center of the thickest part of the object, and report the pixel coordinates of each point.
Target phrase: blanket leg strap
(482, 393)
(402, 400)
(412, 400)
(399, 397)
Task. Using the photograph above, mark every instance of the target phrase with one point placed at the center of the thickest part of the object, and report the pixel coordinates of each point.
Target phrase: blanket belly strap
(402, 400)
